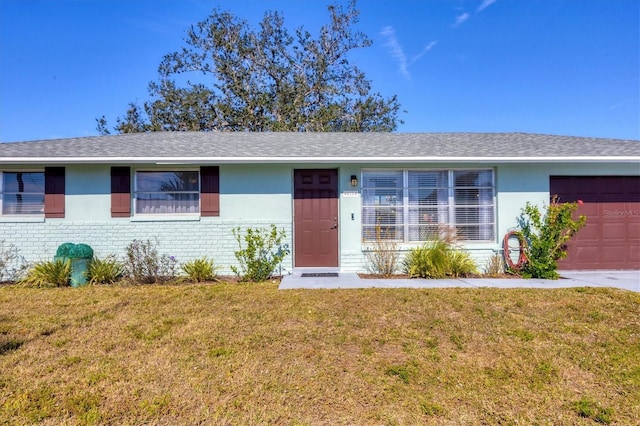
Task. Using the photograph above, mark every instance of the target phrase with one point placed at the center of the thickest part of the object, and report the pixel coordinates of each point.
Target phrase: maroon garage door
(611, 237)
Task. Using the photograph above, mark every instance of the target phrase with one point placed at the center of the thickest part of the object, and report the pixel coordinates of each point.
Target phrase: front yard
(250, 354)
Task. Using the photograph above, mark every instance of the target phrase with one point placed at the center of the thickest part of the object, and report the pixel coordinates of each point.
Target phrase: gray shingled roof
(217, 147)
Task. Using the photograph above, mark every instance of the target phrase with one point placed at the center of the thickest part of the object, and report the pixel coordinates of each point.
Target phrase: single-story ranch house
(328, 191)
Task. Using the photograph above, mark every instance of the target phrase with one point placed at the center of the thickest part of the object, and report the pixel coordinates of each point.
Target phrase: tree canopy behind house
(263, 79)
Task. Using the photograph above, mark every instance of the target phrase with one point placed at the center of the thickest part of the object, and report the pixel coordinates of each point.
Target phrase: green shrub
(262, 253)
(144, 265)
(547, 235)
(200, 270)
(437, 259)
(48, 274)
(105, 271)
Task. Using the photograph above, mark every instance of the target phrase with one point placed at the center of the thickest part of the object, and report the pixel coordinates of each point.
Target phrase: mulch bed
(404, 276)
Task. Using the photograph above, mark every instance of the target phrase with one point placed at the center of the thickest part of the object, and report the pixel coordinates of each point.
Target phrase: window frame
(450, 206)
(36, 215)
(135, 191)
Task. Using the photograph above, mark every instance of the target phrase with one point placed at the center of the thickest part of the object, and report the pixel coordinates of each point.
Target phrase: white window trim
(450, 197)
(150, 217)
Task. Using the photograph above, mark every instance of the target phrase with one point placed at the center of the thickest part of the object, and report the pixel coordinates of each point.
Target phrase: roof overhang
(317, 160)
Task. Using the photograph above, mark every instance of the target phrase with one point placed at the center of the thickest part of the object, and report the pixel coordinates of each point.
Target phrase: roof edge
(288, 160)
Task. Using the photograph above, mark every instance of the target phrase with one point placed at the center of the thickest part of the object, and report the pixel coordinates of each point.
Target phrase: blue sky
(567, 67)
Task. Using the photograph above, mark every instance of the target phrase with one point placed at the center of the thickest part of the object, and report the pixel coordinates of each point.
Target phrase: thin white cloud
(485, 4)
(460, 19)
(427, 48)
(396, 50)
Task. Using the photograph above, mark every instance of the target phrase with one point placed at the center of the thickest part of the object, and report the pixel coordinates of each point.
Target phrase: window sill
(165, 218)
(21, 219)
(368, 246)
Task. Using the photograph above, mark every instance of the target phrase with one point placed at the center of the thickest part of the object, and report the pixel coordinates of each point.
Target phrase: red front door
(315, 210)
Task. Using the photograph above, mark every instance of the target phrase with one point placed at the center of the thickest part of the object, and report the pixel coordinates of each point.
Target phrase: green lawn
(251, 354)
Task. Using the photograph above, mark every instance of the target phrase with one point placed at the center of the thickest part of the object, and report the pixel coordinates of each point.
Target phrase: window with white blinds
(411, 205)
(22, 193)
(167, 192)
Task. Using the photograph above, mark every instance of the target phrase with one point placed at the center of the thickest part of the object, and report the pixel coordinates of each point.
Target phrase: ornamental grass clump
(108, 270)
(382, 256)
(495, 266)
(56, 273)
(438, 259)
(200, 270)
(547, 236)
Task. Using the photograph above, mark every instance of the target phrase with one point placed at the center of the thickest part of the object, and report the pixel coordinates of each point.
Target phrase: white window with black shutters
(413, 205)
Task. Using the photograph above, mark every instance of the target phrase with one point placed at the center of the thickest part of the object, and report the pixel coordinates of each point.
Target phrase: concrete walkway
(626, 280)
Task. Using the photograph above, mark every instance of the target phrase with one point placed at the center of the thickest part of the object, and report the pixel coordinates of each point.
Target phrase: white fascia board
(295, 160)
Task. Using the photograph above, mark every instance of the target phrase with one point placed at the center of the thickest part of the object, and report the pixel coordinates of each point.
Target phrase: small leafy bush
(382, 257)
(48, 274)
(547, 236)
(144, 265)
(262, 253)
(12, 265)
(106, 271)
(199, 270)
(437, 259)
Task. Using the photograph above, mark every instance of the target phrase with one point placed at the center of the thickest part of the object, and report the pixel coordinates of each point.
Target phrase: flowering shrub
(547, 235)
(145, 266)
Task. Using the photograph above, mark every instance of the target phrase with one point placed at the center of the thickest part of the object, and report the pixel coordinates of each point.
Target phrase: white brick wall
(184, 240)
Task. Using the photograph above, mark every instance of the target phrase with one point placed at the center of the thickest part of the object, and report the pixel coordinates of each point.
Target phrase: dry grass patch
(250, 354)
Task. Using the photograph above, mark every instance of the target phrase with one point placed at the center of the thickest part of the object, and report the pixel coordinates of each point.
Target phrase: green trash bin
(81, 256)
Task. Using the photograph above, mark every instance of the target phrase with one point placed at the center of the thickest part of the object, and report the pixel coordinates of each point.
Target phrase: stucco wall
(257, 196)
